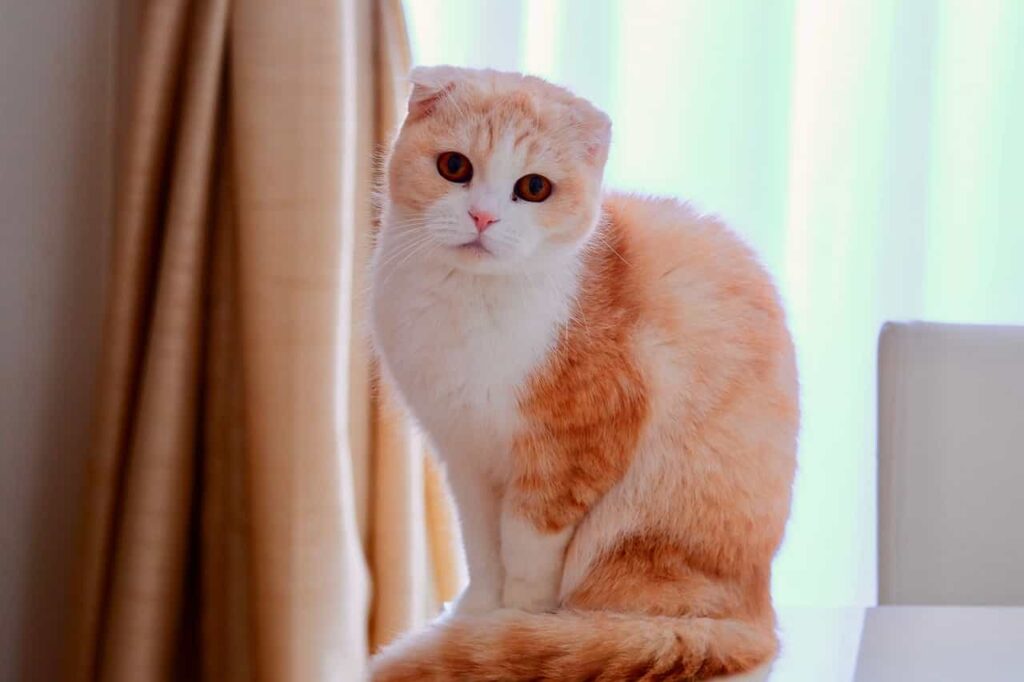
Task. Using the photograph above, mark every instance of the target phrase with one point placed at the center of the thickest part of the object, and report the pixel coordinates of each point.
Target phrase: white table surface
(898, 644)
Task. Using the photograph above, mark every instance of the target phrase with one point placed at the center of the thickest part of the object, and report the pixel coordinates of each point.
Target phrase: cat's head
(501, 172)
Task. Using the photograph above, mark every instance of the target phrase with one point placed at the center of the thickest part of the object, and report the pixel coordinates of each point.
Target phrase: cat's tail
(575, 645)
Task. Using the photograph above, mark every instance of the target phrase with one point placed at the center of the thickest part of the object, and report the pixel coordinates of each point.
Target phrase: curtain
(870, 150)
(413, 544)
(245, 487)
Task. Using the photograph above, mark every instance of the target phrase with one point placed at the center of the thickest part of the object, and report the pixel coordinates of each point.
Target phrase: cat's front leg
(533, 558)
(479, 510)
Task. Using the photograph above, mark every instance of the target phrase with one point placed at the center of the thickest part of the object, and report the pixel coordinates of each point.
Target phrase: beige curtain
(249, 514)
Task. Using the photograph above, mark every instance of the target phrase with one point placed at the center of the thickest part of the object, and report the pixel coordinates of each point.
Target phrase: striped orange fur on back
(585, 408)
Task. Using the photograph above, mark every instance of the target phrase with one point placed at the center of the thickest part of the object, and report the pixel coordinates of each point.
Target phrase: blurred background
(872, 151)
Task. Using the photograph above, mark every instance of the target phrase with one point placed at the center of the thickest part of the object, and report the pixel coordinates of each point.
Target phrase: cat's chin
(481, 260)
(475, 248)
(477, 259)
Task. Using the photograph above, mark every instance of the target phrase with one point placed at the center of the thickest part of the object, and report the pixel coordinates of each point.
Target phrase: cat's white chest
(460, 348)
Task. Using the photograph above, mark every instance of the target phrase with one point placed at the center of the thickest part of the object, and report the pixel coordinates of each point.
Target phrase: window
(871, 152)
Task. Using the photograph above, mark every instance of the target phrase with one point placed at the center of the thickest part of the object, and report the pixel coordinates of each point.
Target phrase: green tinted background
(871, 151)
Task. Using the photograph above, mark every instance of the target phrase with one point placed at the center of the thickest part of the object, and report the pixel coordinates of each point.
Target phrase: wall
(57, 77)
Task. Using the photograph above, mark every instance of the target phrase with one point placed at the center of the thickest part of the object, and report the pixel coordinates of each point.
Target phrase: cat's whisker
(397, 268)
(402, 249)
(601, 239)
(395, 258)
(450, 99)
(426, 248)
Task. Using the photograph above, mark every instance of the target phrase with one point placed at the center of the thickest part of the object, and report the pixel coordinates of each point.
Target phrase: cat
(608, 381)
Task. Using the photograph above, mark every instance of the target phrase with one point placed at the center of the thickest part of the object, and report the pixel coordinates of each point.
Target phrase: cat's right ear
(430, 85)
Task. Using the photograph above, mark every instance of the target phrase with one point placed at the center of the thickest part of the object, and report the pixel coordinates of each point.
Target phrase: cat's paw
(529, 595)
(476, 601)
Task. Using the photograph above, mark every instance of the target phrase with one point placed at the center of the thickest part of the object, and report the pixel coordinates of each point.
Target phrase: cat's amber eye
(533, 187)
(454, 167)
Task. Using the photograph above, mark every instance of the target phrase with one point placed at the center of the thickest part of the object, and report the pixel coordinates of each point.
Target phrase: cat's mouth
(475, 246)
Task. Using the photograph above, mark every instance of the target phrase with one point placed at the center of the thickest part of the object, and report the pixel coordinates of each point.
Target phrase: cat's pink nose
(482, 219)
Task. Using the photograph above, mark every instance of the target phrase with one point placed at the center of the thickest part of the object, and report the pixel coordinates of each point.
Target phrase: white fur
(533, 562)
(459, 339)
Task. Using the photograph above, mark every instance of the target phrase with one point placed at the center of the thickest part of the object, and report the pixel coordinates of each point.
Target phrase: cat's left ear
(430, 84)
(596, 130)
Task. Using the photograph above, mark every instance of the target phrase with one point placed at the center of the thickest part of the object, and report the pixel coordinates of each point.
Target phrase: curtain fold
(239, 458)
(412, 541)
(309, 582)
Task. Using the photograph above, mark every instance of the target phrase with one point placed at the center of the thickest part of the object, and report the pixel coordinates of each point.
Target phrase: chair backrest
(950, 464)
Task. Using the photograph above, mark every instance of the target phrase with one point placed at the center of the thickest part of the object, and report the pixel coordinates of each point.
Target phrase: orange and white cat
(609, 382)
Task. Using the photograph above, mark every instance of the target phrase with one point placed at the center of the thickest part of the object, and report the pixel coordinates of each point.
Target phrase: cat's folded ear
(430, 84)
(595, 128)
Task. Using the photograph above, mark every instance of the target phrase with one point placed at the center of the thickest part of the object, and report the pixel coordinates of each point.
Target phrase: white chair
(950, 464)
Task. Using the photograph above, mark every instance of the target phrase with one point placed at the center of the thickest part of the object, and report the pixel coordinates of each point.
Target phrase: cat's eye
(454, 167)
(533, 187)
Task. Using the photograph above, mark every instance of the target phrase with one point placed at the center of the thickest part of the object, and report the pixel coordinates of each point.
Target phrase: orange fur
(573, 646)
(585, 409)
(660, 430)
